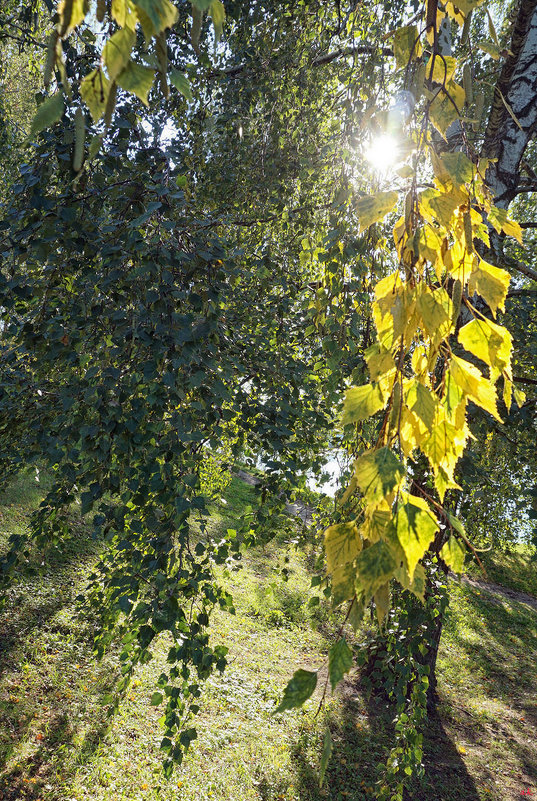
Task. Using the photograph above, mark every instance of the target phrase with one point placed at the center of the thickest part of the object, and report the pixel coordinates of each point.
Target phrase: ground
(56, 743)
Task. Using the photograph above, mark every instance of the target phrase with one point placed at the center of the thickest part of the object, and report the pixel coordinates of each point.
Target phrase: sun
(383, 153)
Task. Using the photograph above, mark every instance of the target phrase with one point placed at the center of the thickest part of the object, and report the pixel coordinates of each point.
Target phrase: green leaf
(181, 83)
(378, 473)
(117, 52)
(492, 283)
(300, 688)
(218, 16)
(373, 208)
(361, 403)
(202, 5)
(375, 566)
(325, 757)
(490, 48)
(137, 80)
(94, 90)
(155, 15)
(48, 113)
(454, 168)
(406, 45)
(339, 661)
(415, 527)
(156, 699)
(343, 583)
(453, 554)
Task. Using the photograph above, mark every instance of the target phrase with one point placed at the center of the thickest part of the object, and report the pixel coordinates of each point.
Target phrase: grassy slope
(56, 745)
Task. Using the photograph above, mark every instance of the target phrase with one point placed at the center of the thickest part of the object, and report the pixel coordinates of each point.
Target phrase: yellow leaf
(418, 583)
(94, 89)
(117, 52)
(507, 392)
(479, 389)
(438, 207)
(415, 526)
(459, 262)
(375, 523)
(520, 396)
(441, 69)
(500, 221)
(372, 208)
(430, 244)
(378, 473)
(361, 403)
(453, 168)
(492, 283)
(136, 79)
(446, 107)
(490, 342)
(375, 566)
(71, 13)
(124, 14)
(379, 361)
(422, 402)
(465, 5)
(342, 544)
(443, 482)
(436, 311)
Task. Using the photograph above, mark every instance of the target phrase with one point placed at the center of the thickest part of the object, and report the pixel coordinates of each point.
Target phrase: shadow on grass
(499, 642)
(362, 735)
(51, 713)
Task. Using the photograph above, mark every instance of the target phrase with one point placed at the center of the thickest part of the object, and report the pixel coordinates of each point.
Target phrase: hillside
(56, 743)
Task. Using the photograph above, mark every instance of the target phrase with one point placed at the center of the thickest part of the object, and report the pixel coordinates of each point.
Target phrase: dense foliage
(205, 274)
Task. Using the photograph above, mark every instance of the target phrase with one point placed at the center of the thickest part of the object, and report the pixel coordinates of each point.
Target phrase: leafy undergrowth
(56, 743)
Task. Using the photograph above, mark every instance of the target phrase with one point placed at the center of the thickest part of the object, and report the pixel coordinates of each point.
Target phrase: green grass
(514, 568)
(57, 745)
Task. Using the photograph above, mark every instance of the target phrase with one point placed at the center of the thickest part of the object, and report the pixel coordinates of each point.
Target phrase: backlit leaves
(378, 473)
(492, 283)
(375, 207)
(414, 373)
(362, 402)
(453, 554)
(489, 342)
(406, 45)
(415, 527)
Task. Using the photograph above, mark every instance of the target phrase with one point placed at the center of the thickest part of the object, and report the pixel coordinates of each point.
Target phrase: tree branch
(361, 50)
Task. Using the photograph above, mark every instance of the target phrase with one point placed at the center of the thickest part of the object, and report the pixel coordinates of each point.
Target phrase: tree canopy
(272, 230)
